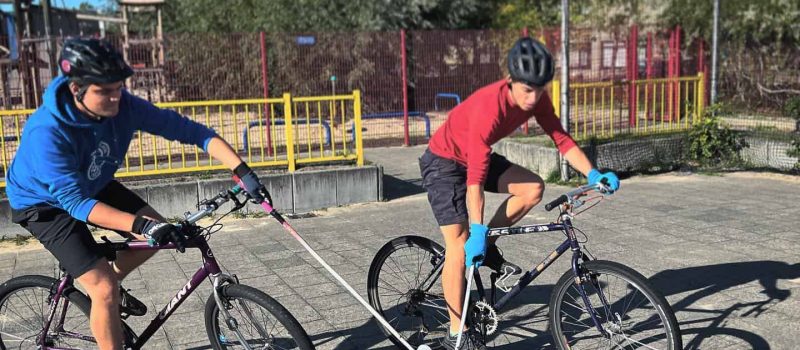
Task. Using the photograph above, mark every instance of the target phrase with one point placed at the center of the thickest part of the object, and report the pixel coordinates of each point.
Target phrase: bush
(794, 151)
(792, 108)
(712, 144)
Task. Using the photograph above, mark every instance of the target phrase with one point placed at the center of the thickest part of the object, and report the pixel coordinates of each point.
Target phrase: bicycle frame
(570, 243)
(209, 268)
(529, 276)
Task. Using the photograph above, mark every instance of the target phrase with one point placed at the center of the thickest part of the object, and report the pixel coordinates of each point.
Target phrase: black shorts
(446, 183)
(69, 239)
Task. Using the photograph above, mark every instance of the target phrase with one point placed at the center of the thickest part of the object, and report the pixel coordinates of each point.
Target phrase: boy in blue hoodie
(62, 176)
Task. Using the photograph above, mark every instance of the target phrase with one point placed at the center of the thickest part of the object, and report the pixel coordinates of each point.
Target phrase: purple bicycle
(47, 313)
(594, 305)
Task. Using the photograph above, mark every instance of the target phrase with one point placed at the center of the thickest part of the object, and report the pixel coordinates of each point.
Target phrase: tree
(756, 22)
(759, 47)
(598, 14)
(322, 15)
(86, 7)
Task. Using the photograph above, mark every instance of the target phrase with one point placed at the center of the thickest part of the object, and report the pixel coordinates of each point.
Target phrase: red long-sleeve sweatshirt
(484, 118)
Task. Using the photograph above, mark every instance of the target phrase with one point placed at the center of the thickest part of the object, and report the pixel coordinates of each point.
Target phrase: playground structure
(33, 34)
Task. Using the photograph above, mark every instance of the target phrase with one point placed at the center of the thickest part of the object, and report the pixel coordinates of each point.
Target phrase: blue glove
(475, 248)
(611, 179)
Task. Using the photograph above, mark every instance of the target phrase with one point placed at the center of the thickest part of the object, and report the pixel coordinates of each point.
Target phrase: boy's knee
(106, 292)
(101, 284)
(534, 194)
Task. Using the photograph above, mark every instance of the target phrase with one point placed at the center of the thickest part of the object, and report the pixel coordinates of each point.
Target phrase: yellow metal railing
(283, 131)
(11, 124)
(603, 109)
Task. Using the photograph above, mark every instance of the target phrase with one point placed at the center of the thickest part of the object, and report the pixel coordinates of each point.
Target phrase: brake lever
(237, 204)
(604, 189)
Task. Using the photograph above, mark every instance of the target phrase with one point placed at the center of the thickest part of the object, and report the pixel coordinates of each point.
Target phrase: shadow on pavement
(394, 188)
(709, 280)
(704, 280)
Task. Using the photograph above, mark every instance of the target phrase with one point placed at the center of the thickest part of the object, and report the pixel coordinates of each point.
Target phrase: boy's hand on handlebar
(609, 179)
(160, 233)
(252, 185)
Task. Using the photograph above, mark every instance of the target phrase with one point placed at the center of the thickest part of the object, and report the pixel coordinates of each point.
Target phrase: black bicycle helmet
(93, 61)
(529, 62)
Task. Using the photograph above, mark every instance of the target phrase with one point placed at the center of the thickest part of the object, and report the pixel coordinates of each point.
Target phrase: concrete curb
(297, 192)
(645, 154)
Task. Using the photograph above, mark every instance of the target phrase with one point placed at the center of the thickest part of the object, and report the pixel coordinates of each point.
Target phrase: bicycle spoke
(389, 286)
(631, 340)
(399, 269)
(578, 307)
(256, 325)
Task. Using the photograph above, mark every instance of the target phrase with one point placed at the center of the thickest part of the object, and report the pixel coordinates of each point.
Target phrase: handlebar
(556, 202)
(571, 196)
(209, 206)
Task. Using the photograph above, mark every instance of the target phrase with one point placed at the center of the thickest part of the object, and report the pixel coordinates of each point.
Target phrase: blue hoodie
(64, 158)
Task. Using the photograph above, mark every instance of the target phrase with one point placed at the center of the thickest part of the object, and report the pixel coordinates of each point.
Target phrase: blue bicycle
(595, 305)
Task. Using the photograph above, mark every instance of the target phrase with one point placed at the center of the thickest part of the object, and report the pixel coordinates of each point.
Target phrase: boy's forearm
(222, 151)
(578, 160)
(475, 203)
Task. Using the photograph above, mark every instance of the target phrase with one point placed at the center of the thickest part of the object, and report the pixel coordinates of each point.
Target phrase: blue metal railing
(443, 95)
(389, 115)
(280, 121)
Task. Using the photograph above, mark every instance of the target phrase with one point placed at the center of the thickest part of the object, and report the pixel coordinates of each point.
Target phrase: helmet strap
(88, 112)
(91, 114)
(81, 93)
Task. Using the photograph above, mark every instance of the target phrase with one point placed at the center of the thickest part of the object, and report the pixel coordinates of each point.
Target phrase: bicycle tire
(425, 257)
(224, 338)
(621, 327)
(41, 287)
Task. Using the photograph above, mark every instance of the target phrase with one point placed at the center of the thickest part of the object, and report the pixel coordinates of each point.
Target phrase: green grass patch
(539, 140)
(18, 240)
(555, 178)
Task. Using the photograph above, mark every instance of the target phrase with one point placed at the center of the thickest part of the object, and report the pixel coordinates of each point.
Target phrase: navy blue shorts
(68, 238)
(446, 183)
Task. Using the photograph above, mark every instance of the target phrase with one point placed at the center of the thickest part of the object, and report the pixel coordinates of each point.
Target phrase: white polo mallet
(269, 209)
(466, 305)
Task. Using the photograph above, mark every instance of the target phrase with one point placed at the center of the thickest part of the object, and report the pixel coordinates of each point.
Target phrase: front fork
(582, 277)
(218, 281)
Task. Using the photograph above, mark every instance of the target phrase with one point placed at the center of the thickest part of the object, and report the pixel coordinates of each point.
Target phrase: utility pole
(714, 49)
(564, 80)
(50, 45)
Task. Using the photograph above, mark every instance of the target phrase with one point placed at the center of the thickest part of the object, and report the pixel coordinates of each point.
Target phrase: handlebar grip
(556, 202)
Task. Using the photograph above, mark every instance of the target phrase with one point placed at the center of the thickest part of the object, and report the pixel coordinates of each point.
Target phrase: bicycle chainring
(486, 315)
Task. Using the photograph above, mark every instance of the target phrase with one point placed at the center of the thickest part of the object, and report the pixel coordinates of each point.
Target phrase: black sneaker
(495, 261)
(469, 341)
(129, 305)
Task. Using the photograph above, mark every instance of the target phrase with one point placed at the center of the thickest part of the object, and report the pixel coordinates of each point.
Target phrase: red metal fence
(409, 80)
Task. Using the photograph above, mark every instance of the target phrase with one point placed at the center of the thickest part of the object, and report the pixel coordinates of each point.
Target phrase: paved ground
(723, 249)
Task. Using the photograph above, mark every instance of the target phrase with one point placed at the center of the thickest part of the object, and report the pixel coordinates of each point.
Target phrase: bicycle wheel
(403, 285)
(630, 310)
(25, 306)
(262, 322)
